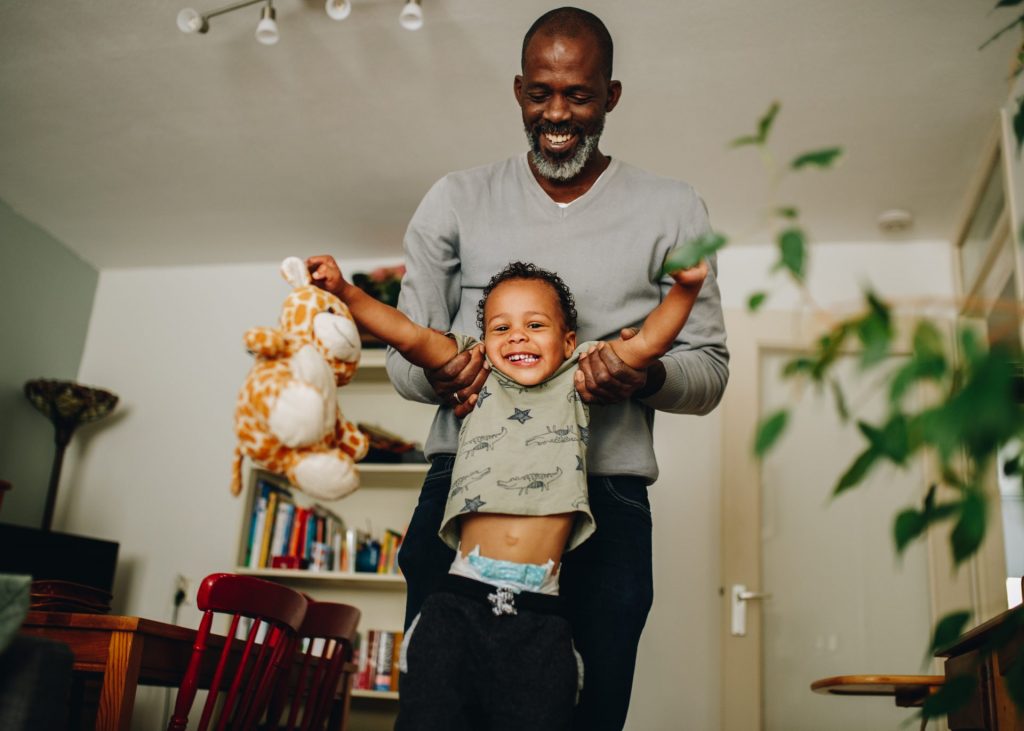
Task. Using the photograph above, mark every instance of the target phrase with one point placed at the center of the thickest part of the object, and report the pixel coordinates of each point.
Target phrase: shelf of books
(289, 537)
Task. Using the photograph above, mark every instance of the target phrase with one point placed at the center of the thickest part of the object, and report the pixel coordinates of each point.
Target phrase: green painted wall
(46, 296)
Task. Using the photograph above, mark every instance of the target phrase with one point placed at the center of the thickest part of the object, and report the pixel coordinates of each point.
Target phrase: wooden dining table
(119, 653)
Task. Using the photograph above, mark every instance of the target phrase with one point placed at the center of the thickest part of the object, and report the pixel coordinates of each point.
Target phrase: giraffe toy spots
(287, 418)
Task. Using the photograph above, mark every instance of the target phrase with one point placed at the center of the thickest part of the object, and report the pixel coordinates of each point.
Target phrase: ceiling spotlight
(266, 31)
(190, 21)
(338, 9)
(411, 17)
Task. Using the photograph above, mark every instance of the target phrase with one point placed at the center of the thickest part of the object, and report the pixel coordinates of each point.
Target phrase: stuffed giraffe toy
(287, 419)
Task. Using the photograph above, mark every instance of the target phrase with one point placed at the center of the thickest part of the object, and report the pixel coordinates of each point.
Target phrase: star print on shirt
(584, 433)
(579, 463)
(484, 393)
(473, 505)
(521, 415)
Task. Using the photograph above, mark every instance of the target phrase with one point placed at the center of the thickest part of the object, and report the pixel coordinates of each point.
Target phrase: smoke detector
(895, 221)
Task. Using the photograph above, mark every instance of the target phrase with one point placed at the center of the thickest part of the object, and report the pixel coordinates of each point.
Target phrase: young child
(491, 649)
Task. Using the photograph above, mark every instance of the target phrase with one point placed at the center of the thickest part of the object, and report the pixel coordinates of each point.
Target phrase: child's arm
(420, 345)
(665, 321)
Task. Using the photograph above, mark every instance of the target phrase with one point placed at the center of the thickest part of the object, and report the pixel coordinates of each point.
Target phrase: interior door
(838, 602)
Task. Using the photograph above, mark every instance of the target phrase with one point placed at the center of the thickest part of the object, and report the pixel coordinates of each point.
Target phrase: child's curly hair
(523, 270)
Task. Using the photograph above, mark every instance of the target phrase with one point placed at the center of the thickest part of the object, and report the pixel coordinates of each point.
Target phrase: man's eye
(537, 97)
(577, 99)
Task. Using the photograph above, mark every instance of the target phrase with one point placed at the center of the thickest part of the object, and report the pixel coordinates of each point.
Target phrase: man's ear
(570, 342)
(614, 93)
(517, 89)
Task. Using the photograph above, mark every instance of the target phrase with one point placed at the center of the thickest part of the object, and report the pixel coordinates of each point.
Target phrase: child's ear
(570, 342)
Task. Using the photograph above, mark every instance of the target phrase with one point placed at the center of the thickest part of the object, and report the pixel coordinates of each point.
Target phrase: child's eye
(536, 325)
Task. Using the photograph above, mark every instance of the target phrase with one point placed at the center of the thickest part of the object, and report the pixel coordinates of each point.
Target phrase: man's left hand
(603, 378)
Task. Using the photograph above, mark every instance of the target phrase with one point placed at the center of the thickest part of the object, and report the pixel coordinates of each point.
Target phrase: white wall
(168, 341)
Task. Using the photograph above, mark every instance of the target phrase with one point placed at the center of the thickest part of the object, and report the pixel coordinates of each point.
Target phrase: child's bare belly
(520, 538)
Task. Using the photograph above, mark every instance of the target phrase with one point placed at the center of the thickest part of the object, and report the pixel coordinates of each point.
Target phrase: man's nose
(557, 110)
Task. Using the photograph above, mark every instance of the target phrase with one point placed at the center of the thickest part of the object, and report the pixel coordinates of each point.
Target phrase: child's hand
(326, 274)
(693, 277)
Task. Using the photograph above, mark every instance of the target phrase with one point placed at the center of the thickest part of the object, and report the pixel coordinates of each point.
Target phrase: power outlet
(183, 585)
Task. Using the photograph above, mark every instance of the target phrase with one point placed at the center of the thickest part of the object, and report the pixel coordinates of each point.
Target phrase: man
(605, 228)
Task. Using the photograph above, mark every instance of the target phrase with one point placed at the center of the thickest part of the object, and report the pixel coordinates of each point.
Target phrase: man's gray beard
(562, 170)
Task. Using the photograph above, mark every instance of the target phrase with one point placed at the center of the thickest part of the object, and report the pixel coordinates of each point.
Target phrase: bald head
(572, 23)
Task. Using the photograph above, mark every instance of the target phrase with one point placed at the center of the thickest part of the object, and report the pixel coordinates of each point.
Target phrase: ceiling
(138, 145)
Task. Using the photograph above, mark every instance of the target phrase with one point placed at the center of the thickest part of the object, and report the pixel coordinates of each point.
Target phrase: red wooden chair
(246, 674)
(321, 672)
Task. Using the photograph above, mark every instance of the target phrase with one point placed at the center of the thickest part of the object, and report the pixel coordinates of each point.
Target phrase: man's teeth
(522, 358)
(558, 139)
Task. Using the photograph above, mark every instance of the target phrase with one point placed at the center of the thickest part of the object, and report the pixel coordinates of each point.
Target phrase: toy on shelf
(287, 419)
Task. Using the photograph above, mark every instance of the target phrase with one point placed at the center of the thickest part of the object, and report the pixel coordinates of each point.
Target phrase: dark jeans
(606, 583)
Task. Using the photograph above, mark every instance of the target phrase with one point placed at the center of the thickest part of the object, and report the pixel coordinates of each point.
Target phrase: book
(282, 524)
(384, 661)
(259, 524)
(264, 560)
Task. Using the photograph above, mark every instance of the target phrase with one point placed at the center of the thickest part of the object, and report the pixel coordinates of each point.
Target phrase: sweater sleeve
(431, 286)
(697, 367)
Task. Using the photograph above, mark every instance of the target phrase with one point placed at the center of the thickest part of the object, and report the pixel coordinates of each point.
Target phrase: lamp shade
(190, 21)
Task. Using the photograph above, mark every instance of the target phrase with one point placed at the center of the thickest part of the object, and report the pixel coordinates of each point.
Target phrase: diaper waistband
(502, 600)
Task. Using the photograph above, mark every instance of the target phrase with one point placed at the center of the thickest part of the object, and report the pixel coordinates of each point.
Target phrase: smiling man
(605, 227)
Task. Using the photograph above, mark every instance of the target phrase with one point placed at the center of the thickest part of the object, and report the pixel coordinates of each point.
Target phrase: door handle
(739, 598)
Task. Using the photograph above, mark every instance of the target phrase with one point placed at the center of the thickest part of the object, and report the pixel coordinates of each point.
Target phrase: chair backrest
(329, 630)
(245, 671)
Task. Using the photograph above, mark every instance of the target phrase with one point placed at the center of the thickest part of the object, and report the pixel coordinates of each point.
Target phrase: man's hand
(459, 380)
(603, 378)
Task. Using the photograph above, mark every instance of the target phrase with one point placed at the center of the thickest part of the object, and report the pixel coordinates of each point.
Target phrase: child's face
(524, 331)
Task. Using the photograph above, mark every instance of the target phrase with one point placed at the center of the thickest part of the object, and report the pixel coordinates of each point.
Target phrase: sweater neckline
(578, 203)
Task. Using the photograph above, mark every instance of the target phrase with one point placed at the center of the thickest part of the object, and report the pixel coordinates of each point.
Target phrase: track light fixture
(192, 21)
(411, 17)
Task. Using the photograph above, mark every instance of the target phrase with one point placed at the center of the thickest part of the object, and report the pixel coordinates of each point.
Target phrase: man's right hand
(459, 380)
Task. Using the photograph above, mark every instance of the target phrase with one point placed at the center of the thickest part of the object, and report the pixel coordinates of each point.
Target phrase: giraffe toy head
(287, 417)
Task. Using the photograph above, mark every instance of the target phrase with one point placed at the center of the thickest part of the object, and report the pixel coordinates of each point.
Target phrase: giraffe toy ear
(294, 270)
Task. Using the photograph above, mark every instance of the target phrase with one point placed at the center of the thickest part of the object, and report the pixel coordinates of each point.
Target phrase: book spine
(268, 529)
(395, 660)
(256, 537)
(281, 523)
(385, 649)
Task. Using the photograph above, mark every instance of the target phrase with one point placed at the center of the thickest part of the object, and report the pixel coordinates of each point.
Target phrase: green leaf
(787, 212)
(875, 331)
(818, 158)
(792, 245)
(801, 364)
(1007, 3)
(857, 471)
(952, 694)
(970, 528)
(745, 140)
(837, 394)
(764, 126)
(769, 431)
(908, 526)
(689, 254)
(948, 629)
(756, 300)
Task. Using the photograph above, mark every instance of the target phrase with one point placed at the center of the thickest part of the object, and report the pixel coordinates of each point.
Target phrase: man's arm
(430, 295)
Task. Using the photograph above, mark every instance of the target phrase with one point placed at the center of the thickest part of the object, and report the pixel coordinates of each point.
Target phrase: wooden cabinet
(385, 500)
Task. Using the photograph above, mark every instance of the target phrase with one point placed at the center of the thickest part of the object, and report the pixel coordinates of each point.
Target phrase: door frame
(978, 586)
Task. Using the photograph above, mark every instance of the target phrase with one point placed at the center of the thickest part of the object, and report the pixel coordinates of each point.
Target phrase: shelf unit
(386, 499)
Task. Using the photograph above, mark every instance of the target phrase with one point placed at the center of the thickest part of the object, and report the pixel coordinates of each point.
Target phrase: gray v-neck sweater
(608, 246)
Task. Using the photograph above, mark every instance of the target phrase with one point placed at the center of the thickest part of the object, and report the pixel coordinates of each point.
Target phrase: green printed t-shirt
(522, 451)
